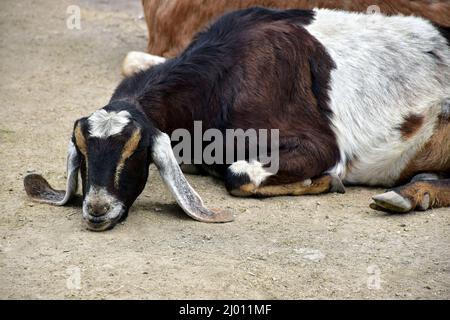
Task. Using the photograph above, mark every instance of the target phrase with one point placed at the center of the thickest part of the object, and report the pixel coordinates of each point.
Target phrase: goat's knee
(138, 61)
(246, 179)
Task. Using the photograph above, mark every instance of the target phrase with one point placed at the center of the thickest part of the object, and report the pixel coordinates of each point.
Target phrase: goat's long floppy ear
(39, 189)
(186, 197)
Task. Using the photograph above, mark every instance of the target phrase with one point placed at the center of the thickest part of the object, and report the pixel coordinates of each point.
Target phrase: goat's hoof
(425, 177)
(336, 185)
(391, 201)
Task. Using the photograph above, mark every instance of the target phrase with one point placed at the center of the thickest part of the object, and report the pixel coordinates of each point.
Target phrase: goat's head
(113, 149)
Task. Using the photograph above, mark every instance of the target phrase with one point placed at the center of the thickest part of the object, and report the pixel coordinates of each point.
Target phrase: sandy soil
(330, 246)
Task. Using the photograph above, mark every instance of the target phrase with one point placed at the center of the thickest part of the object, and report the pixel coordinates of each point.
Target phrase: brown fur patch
(127, 151)
(164, 17)
(80, 141)
(433, 157)
(411, 125)
(307, 143)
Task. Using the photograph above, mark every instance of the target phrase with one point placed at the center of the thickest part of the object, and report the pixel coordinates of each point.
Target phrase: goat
(358, 99)
(172, 24)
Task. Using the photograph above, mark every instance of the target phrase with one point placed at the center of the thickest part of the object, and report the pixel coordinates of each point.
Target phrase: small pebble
(207, 237)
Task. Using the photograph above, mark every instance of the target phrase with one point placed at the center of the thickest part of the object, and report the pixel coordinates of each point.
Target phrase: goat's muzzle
(101, 210)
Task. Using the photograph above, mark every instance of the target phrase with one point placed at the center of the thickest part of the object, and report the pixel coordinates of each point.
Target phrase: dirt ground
(330, 246)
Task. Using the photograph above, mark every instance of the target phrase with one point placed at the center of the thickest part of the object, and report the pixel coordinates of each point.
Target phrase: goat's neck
(178, 93)
(169, 112)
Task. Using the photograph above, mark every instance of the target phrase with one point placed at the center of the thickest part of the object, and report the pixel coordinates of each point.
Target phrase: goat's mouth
(103, 222)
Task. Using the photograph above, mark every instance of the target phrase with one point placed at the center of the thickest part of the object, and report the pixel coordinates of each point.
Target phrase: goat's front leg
(426, 191)
(136, 61)
(246, 179)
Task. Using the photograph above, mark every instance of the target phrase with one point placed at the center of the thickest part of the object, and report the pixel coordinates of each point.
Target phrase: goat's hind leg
(426, 191)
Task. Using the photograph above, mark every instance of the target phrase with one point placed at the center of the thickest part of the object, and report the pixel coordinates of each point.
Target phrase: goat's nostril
(98, 209)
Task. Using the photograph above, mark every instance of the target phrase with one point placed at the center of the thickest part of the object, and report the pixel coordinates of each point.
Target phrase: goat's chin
(100, 226)
(105, 222)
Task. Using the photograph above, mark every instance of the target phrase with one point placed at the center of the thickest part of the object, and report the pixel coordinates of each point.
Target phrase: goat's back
(172, 24)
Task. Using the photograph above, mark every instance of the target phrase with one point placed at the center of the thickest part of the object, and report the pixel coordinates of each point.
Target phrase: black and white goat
(363, 99)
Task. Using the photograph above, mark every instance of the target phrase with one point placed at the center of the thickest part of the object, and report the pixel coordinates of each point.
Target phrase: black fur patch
(234, 181)
(444, 31)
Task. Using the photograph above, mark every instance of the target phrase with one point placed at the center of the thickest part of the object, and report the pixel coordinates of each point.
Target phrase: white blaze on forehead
(103, 124)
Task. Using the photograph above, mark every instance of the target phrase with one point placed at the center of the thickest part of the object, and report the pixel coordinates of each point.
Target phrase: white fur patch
(254, 169)
(103, 124)
(387, 68)
(73, 165)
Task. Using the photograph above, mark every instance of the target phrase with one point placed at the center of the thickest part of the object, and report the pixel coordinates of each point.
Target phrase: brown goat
(173, 23)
